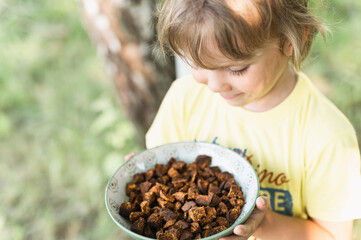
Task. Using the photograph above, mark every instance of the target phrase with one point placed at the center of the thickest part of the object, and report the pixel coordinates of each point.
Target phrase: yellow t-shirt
(304, 150)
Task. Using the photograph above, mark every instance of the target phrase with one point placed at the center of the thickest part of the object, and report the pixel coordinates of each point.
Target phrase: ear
(288, 48)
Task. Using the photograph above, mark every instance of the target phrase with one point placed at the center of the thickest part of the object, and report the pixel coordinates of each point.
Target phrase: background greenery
(62, 132)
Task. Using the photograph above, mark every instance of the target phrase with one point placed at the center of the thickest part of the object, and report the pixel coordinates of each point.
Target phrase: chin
(236, 103)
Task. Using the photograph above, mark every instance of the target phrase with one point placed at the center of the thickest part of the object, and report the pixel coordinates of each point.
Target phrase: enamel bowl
(224, 158)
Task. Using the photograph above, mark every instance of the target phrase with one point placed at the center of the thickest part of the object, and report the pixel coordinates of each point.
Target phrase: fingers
(262, 203)
(233, 237)
(245, 230)
(129, 156)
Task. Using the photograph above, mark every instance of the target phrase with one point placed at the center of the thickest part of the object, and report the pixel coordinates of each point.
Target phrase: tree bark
(124, 34)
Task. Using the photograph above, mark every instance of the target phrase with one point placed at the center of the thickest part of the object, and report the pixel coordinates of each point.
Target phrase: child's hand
(244, 231)
(129, 156)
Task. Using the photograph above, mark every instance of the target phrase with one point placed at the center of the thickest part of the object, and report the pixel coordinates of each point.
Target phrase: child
(250, 99)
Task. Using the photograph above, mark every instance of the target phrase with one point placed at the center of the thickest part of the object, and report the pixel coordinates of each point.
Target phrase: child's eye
(239, 72)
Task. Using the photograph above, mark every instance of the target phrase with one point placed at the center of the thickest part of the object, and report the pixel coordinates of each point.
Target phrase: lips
(230, 96)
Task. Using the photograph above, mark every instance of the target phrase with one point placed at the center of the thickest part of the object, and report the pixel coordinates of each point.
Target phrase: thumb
(129, 156)
(262, 203)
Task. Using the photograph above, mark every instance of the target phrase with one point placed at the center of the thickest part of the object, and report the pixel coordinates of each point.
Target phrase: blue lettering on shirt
(281, 200)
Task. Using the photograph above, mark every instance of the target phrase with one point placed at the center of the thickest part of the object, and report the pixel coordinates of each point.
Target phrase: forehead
(211, 57)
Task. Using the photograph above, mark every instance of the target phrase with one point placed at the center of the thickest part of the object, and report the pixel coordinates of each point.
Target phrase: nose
(217, 82)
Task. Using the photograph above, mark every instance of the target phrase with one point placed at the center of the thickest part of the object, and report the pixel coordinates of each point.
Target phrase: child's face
(257, 85)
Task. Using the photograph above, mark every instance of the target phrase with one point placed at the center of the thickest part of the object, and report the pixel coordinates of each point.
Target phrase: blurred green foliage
(335, 65)
(62, 133)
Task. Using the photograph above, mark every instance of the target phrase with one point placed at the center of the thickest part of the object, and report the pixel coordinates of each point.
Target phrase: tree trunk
(124, 34)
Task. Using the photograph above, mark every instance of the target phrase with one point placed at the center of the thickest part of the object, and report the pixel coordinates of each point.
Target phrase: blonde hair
(189, 27)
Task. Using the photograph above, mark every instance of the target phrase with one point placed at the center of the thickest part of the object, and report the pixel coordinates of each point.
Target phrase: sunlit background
(63, 132)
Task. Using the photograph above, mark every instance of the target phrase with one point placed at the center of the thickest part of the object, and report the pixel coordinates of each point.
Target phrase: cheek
(252, 82)
(198, 76)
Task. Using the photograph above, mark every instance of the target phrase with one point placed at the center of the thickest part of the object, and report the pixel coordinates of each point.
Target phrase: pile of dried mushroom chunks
(180, 201)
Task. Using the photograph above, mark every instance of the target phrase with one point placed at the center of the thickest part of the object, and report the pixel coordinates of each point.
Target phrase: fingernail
(238, 231)
(262, 201)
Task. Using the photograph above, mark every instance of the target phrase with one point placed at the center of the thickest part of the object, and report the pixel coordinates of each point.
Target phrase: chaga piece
(171, 234)
(185, 215)
(222, 209)
(223, 176)
(181, 224)
(184, 188)
(206, 233)
(172, 190)
(197, 213)
(171, 161)
(188, 205)
(192, 166)
(215, 169)
(186, 235)
(126, 208)
(150, 197)
(193, 192)
(179, 182)
(203, 186)
(164, 179)
(215, 200)
(145, 207)
(204, 200)
(198, 236)
(149, 174)
(167, 214)
(160, 170)
(138, 178)
(169, 223)
(173, 173)
(194, 175)
(145, 186)
(155, 209)
(235, 192)
(148, 232)
(203, 161)
(229, 183)
(159, 233)
(166, 197)
(209, 172)
(225, 199)
(131, 187)
(155, 220)
(158, 187)
(134, 216)
(212, 179)
(222, 221)
(212, 188)
(195, 227)
(179, 165)
(180, 196)
(216, 230)
(211, 214)
(135, 197)
(233, 214)
(138, 226)
(164, 204)
(177, 206)
(209, 225)
(236, 202)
